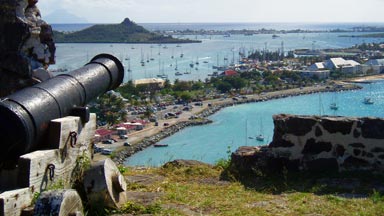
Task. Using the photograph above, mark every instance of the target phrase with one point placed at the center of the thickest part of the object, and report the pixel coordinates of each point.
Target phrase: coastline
(366, 79)
(152, 134)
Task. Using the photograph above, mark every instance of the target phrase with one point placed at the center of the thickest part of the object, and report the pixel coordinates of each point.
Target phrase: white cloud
(114, 11)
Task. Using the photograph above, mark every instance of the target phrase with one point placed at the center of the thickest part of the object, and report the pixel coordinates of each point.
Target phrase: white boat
(368, 99)
(333, 105)
(260, 137)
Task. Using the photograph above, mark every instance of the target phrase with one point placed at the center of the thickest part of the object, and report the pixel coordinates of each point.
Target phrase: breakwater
(120, 156)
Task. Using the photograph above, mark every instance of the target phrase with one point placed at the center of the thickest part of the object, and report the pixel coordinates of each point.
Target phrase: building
(374, 66)
(346, 66)
(317, 66)
(321, 74)
(229, 73)
(103, 134)
(151, 81)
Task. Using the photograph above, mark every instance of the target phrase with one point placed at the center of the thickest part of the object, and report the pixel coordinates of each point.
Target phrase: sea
(233, 126)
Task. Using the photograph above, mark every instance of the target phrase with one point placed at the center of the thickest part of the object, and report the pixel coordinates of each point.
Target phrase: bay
(214, 50)
(232, 126)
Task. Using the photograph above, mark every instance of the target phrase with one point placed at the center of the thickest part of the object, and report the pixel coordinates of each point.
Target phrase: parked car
(166, 124)
(96, 149)
(127, 144)
(108, 141)
(123, 137)
(106, 151)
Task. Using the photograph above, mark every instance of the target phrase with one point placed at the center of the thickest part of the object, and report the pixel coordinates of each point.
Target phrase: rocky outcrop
(26, 45)
(317, 143)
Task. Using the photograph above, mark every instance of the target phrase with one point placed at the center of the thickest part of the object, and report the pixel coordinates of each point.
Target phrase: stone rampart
(318, 143)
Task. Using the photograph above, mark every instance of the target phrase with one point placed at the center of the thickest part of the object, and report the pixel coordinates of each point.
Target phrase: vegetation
(110, 108)
(201, 190)
(125, 32)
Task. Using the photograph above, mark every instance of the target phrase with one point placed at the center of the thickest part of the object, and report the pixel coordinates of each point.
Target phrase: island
(125, 32)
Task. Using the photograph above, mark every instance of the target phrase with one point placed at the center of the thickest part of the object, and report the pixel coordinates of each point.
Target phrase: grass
(198, 189)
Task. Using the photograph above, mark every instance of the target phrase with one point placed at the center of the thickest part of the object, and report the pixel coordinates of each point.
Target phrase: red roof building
(103, 134)
(229, 73)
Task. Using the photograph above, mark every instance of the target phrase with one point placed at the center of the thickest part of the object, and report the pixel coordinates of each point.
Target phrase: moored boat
(160, 145)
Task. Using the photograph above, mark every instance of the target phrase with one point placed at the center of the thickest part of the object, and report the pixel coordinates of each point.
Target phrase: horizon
(211, 11)
(235, 22)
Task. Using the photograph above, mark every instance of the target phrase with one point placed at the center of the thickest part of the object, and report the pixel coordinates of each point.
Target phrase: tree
(186, 96)
(223, 86)
(111, 108)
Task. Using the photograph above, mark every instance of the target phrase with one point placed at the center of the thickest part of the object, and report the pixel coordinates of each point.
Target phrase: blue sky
(162, 11)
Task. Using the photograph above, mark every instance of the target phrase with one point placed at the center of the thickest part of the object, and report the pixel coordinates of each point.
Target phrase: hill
(125, 32)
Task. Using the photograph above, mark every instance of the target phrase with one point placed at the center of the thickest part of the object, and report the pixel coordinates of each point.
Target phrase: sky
(205, 11)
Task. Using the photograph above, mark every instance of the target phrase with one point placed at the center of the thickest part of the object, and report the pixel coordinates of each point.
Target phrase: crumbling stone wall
(26, 45)
(318, 143)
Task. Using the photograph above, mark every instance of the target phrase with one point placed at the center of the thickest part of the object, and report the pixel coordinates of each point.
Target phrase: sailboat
(162, 74)
(260, 137)
(368, 100)
(333, 105)
(142, 58)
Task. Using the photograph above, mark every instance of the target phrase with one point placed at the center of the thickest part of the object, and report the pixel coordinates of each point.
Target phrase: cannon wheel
(104, 182)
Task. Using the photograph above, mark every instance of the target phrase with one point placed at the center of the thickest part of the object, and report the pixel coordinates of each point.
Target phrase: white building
(374, 66)
(149, 81)
(346, 66)
(317, 66)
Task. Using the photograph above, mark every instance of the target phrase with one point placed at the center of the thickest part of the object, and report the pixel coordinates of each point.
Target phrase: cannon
(25, 114)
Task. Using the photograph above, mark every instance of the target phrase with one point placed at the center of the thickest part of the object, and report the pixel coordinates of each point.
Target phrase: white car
(106, 151)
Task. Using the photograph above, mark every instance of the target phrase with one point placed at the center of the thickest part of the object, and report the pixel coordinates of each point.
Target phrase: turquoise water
(233, 125)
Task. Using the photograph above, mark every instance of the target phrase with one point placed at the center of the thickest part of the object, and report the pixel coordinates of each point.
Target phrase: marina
(213, 54)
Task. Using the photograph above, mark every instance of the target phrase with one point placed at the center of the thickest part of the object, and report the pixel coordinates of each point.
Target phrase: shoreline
(152, 137)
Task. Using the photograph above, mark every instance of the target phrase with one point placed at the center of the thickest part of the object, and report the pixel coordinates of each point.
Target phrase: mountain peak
(127, 21)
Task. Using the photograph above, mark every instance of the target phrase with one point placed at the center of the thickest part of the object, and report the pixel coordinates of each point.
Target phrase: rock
(184, 163)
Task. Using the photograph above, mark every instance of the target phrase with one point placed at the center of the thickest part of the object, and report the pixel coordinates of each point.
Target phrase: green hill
(125, 32)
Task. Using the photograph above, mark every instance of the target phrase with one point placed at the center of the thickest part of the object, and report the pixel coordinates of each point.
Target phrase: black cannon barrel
(25, 114)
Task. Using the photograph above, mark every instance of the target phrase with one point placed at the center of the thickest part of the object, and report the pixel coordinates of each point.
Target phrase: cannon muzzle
(25, 114)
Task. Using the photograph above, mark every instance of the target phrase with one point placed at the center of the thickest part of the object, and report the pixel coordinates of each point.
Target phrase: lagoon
(232, 126)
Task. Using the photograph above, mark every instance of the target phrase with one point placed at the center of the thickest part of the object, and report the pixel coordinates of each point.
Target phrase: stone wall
(26, 45)
(318, 143)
